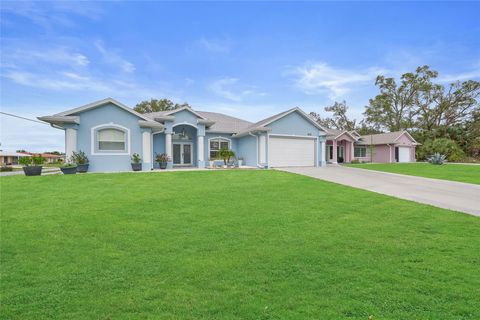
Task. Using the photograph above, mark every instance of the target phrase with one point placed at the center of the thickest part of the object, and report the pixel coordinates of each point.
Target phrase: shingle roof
(225, 123)
(381, 138)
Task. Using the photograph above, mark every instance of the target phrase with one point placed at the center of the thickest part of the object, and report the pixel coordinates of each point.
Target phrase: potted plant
(226, 155)
(80, 158)
(32, 166)
(136, 162)
(162, 160)
(69, 168)
(240, 161)
(211, 162)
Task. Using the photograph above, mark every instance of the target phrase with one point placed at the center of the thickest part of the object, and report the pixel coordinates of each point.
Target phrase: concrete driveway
(451, 195)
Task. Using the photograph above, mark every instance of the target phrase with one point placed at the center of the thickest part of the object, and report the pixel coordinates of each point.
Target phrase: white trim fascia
(184, 124)
(408, 134)
(150, 124)
(185, 108)
(302, 113)
(348, 133)
(292, 136)
(101, 103)
(61, 119)
(109, 125)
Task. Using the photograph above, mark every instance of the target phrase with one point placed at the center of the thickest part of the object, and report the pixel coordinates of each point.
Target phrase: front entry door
(182, 153)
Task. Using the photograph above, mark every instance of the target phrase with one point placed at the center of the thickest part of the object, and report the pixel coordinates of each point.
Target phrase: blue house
(109, 133)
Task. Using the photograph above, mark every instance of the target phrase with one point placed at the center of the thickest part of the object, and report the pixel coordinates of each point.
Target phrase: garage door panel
(403, 154)
(291, 152)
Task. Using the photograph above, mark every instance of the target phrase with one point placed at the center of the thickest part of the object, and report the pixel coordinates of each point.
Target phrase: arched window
(216, 144)
(110, 139)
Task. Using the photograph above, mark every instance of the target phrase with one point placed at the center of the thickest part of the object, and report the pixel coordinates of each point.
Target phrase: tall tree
(155, 105)
(339, 119)
(396, 107)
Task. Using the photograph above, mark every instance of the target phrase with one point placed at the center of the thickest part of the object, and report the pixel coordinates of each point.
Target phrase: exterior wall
(294, 124)
(158, 147)
(248, 149)
(404, 140)
(109, 114)
(383, 153)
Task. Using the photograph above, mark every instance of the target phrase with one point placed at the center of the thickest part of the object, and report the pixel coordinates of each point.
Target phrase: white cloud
(114, 58)
(38, 55)
(49, 14)
(318, 78)
(230, 89)
(215, 45)
(220, 88)
(472, 74)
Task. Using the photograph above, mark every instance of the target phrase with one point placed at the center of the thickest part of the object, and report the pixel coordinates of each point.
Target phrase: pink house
(344, 146)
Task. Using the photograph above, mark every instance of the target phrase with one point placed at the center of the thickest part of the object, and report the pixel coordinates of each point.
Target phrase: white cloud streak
(114, 58)
(319, 78)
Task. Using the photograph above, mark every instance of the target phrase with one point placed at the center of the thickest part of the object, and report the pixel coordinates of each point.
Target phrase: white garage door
(403, 154)
(291, 152)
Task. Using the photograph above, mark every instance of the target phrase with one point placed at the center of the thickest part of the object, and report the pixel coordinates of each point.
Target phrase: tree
(396, 107)
(339, 119)
(155, 105)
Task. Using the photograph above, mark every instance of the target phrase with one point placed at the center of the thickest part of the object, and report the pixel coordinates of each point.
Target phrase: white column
(147, 150)
(168, 148)
(323, 151)
(334, 156)
(70, 142)
(262, 152)
(200, 152)
(352, 153)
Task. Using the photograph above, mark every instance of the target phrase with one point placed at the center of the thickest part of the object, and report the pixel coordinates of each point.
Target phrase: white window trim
(106, 126)
(216, 138)
(359, 147)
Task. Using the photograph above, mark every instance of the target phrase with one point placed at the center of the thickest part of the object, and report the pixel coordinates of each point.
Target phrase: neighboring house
(344, 146)
(110, 132)
(10, 157)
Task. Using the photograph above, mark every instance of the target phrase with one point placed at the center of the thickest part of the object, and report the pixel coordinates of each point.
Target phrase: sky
(246, 59)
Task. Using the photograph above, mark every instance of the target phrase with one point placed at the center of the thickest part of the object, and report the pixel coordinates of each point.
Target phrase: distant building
(11, 157)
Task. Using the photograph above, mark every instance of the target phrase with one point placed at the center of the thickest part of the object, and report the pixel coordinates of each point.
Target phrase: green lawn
(454, 172)
(229, 245)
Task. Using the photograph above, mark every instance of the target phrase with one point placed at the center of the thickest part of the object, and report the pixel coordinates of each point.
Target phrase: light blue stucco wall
(112, 115)
(294, 124)
(158, 146)
(247, 148)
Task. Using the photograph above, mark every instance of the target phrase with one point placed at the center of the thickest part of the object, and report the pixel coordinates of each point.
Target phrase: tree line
(443, 118)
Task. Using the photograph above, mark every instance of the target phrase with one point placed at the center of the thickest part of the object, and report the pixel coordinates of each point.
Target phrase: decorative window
(110, 139)
(360, 152)
(217, 144)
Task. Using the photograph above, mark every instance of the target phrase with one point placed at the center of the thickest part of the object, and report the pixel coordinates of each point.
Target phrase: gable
(345, 136)
(293, 123)
(405, 139)
(185, 116)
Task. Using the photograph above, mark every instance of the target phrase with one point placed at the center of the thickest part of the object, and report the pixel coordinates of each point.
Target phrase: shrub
(444, 146)
(162, 158)
(355, 161)
(79, 157)
(136, 158)
(38, 160)
(5, 169)
(226, 154)
(437, 158)
(25, 161)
